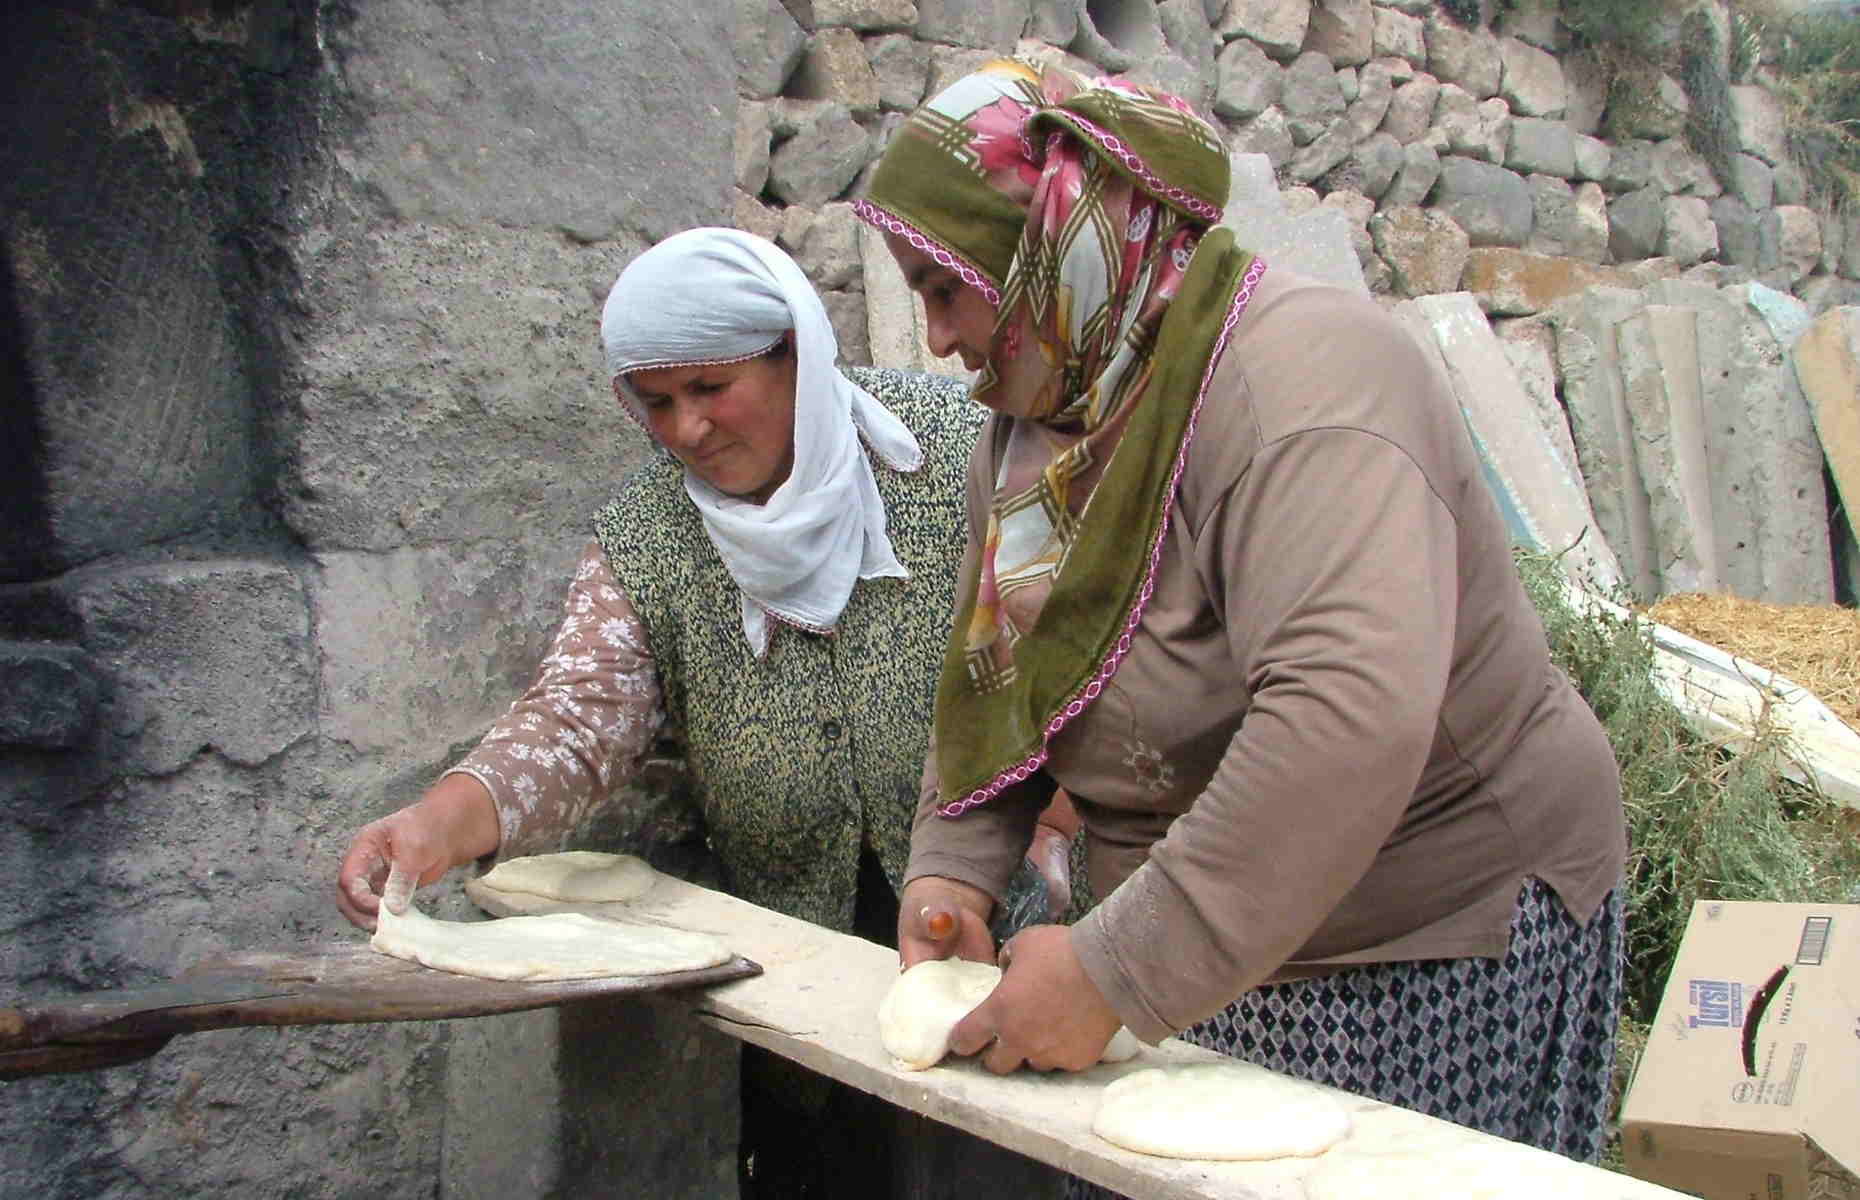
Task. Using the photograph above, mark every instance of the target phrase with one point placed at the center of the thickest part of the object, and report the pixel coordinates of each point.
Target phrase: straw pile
(1815, 645)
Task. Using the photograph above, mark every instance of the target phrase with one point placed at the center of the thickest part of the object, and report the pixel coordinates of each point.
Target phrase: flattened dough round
(923, 1006)
(1224, 1111)
(587, 876)
(556, 946)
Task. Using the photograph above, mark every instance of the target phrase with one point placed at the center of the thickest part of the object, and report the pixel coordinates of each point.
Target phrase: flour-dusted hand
(944, 918)
(1046, 1013)
(453, 823)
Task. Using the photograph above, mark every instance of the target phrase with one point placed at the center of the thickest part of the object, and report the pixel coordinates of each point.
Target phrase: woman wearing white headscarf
(777, 587)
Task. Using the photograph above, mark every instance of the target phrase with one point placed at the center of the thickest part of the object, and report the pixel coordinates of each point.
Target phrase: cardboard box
(1749, 1088)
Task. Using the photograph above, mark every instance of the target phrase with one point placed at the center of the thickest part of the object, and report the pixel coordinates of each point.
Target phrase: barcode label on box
(1814, 942)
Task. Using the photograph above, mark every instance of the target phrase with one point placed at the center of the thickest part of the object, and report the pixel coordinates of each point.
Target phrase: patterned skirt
(1522, 1047)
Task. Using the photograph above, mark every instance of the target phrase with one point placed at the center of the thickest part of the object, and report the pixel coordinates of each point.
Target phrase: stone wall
(299, 307)
(307, 424)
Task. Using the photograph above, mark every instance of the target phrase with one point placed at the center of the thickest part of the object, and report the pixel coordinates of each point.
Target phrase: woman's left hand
(1046, 1012)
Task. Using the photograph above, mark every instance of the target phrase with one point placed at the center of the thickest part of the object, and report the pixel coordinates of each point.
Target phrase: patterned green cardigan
(801, 756)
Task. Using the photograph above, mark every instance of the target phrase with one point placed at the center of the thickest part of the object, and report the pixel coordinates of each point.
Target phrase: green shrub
(1703, 822)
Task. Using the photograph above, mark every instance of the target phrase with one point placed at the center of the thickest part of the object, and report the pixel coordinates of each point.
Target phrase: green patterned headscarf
(1083, 210)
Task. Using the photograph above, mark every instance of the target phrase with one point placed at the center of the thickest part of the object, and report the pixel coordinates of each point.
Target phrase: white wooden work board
(816, 1002)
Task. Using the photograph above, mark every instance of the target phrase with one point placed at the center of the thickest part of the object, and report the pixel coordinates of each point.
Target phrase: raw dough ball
(924, 1005)
(574, 875)
(557, 946)
(1219, 1111)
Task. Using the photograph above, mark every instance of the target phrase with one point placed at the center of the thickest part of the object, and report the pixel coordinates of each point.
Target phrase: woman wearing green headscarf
(1236, 584)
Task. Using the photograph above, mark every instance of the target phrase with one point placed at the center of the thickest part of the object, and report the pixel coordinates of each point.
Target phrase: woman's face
(732, 425)
(958, 319)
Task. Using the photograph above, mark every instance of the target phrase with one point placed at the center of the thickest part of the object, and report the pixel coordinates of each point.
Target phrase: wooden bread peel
(332, 984)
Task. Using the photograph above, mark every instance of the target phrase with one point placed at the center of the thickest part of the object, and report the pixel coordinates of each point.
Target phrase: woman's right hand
(940, 917)
(453, 823)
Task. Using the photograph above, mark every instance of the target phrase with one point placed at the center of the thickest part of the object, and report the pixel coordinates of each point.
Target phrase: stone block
(1320, 156)
(421, 648)
(1630, 167)
(1054, 22)
(1789, 242)
(1265, 135)
(1310, 97)
(1370, 169)
(828, 250)
(1588, 359)
(752, 146)
(1509, 282)
(835, 68)
(1248, 83)
(451, 134)
(1342, 30)
(1491, 204)
(867, 16)
(1466, 57)
(1420, 169)
(820, 161)
(1769, 510)
(48, 696)
(1688, 234)
(1425, 251)
(902, 67)
(1585, 75)
(751, 215)
(1314, 241)
(1277, 26)
(1677, 170)
(1541, 147)
(1411, 109)
(1827, 364)
(1357, 209)
(1661, 386)
(1375, 89)
(450, 387)
(1570, 222)
(1592, 158)
(979, 24)
(1740, 239)
(214, 654)
(1539, 491)
(1636, 223)
(1789, 184)
(1531, 80)
(1761, 126)
(1395, 34)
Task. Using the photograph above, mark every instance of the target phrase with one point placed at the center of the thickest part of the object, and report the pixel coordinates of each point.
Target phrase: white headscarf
(721, 296)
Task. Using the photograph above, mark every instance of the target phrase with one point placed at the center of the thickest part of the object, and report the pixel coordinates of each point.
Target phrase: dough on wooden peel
(556, 946)
(924, 1005)
(586, 876)
(1224, 1111)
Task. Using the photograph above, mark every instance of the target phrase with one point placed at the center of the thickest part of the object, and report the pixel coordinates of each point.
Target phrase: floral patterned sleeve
(583, 725)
